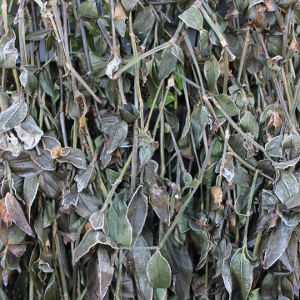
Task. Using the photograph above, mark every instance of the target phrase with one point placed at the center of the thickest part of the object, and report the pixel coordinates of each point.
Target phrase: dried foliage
(149, 150)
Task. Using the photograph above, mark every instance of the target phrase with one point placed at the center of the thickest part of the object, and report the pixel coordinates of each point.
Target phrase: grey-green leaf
(243, 272)
(88, 9)
(144, 20)
(117, 135)
(167, 63)
(46, 82)
(120, 229)
(137, 212)
(212, 73)
(227, 104)
(159, 271)
(249, 124)
(129, 4)
(12, 116)
(30, 188)
(273, 147)
(192, 17)
(286, 186)
(36, 35)
(141, 258)
(278, 242)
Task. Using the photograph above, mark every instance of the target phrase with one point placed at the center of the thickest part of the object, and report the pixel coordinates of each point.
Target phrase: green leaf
(274, 147)
(212, 73)
(249, 124)
(30, 188)
(144, 21)
(286, 187)
(268, 200)
(253, 65)
(159, 271)
(227, 104)
(170, 99)
(98, 63)
(199, 120)
(88, 9)
(167, 64)
(192, 18)
(120, 229)
(137, 212)
(51, 291)
(255, 295)
(36, 35)
(117, 135)
(202, 243)
(140, 259)
(46, 82)
(243, 272)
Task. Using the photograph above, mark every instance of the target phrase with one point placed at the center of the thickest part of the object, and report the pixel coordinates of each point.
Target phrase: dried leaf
(16, 213)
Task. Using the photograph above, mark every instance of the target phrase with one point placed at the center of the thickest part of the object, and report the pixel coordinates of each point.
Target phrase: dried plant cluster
(149, 150)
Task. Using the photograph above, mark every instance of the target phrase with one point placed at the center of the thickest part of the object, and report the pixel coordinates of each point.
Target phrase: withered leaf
(90, 239)
(156, 191)
(29, 133)
(8, 52)
(16, 213)
(99, 274)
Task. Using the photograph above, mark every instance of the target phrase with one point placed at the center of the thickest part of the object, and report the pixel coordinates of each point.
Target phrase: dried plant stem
(113, 30)
(14, 70)
(134, 146)
(61, 269)
(244, 53)
(190, 47)
(226, 72)
(105, 34)
(160, 112)
(119, 279)
(139, 58)
(162, 148)
(153, 104)
(136, 73)
(84, 40)
(257, 241)
(186, 203)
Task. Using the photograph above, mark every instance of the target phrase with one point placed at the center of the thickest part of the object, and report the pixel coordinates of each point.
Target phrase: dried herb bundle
(149, 150)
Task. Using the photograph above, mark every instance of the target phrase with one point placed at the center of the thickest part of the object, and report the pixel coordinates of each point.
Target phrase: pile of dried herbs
(149, 150)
